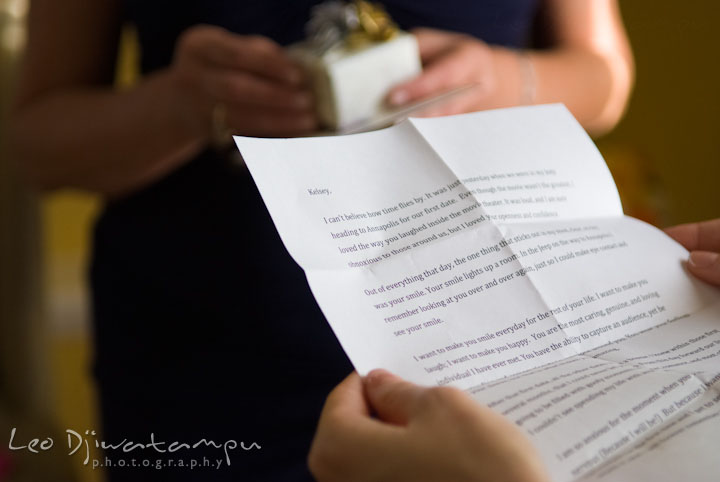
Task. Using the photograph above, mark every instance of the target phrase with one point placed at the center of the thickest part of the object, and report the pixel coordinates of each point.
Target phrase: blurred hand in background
(588, 67)
(262, 90)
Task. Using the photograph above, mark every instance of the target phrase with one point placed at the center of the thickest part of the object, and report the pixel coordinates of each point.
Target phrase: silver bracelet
(528, 78)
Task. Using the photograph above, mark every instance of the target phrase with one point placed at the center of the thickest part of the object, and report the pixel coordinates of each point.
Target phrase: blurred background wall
(665, 156)
(670, 132)
(28, 388)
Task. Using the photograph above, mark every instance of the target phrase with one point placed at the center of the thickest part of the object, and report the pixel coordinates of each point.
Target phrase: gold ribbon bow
(374, 25)
(353, 25)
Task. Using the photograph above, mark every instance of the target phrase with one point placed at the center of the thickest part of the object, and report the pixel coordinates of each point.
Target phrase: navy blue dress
(205, 328)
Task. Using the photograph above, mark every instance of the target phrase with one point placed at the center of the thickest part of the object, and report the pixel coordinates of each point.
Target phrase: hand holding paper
(416, 436)
(703, 242)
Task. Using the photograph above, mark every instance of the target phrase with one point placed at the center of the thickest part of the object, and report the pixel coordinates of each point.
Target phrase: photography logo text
(129, 453)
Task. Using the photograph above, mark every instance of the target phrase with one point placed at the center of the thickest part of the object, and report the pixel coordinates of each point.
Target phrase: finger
(267, 122)
(393, 399)
(685, 234)
(703, 236)
(449, 71)
(349, 442)
(432, 42)
(706, 266)
(230, 86)
(458, 104)
(347, 406)
(348, 396)
(255, 54)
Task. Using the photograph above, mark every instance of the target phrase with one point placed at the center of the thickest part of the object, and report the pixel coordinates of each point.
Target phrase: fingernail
(399, 97)
(703, 259)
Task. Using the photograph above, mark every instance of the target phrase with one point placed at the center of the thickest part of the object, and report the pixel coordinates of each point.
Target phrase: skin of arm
(72, 129)
(589, 68)
(417, 435)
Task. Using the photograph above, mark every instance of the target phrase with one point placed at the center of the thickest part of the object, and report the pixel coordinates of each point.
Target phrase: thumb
(393, 399)
(706, 266)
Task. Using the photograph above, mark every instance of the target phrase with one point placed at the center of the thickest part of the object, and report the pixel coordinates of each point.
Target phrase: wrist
(189, 115)
(517, 82)
(528, 79)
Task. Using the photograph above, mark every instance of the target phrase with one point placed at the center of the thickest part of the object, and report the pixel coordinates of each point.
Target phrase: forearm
(595, 88)
(105, 141)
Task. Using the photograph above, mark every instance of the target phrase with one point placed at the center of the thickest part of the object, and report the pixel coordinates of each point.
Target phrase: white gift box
(351, 85)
